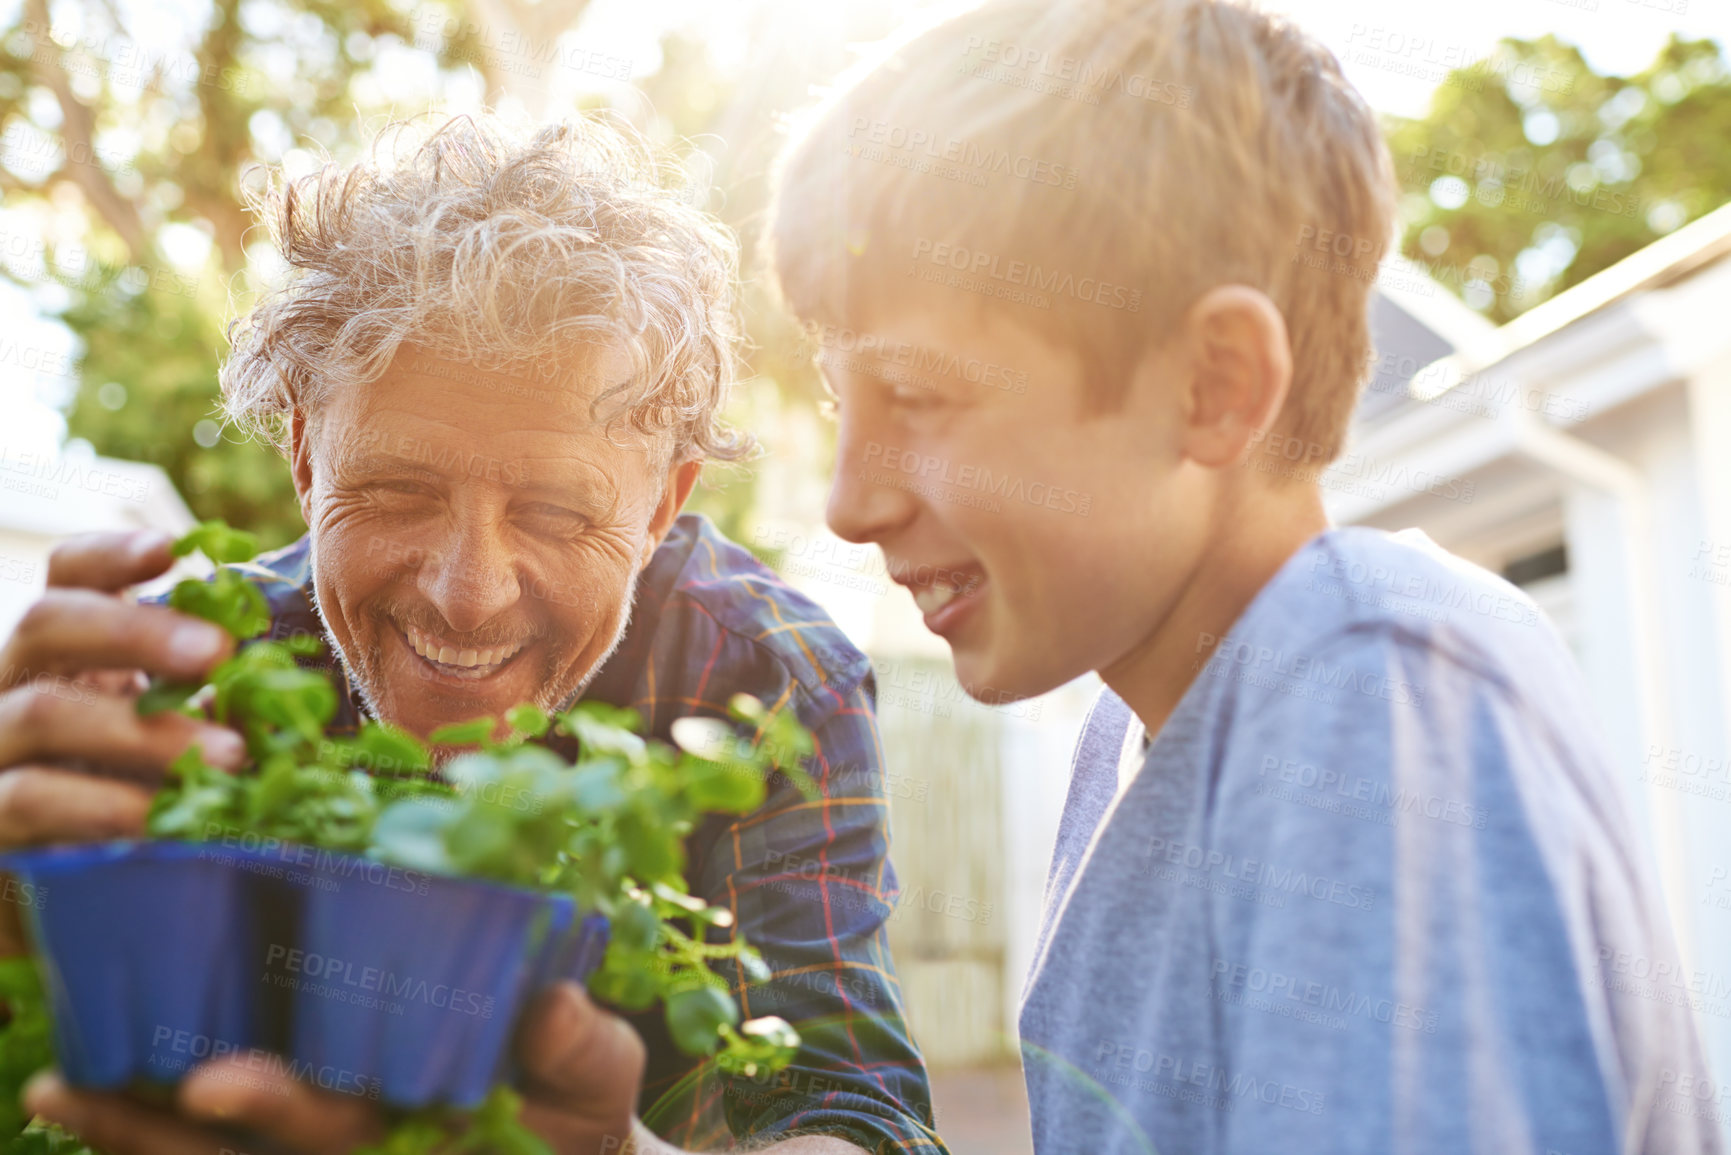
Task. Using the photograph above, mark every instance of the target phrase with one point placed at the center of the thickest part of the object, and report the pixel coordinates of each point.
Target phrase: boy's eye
(402, 486)
(911, 397)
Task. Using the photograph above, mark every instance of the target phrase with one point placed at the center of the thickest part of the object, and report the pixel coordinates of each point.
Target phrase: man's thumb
(579, 1058)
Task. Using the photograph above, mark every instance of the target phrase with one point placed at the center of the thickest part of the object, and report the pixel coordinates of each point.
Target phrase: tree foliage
(124, 151)
(1531, 172)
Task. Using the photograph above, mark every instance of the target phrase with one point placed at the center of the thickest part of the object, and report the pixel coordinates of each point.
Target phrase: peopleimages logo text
(978, 263)
(987, 159)
(297, 963)
(980, 478)
(922, 359)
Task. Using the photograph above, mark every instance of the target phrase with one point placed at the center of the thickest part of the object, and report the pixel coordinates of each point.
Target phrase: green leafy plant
(26, 1048)
(608, 829)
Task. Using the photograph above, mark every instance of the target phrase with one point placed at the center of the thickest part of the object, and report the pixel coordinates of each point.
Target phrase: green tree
(126, 146)
(1531, 172)
(124, 149)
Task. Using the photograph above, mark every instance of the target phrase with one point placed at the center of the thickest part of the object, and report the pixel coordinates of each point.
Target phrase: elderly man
(495, 373)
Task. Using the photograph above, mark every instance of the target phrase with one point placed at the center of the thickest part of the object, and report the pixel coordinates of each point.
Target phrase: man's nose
(471, 579)
(865, 503)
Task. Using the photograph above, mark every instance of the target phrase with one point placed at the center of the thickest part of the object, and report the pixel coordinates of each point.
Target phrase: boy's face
(1042, 536)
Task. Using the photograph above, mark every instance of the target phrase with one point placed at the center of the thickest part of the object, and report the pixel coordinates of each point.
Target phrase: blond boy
(1339, 870)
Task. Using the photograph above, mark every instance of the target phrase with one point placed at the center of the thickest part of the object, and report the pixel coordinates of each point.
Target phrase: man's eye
(556, 515)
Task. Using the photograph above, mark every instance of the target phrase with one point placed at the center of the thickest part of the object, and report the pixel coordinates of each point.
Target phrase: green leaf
(596, 788)
(653, 852)
(387, 748)
(695, 1018)
(725, 789)
(602, 730)
(411, 833)
(470, 733)
(495, 1128)
(227, 599)
(635, 927)
(529, 719)
(483, 842)
(162, 696)
(305, 645)
(218, 542)
(627, 989)
(19, 979)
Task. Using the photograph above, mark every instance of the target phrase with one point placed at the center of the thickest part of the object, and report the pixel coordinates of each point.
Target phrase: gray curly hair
(504, 250)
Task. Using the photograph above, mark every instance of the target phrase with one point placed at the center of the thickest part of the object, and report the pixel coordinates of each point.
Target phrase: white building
(1584, 451)
(49, 491)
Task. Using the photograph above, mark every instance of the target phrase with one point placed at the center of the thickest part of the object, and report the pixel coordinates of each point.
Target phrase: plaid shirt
(809, 883)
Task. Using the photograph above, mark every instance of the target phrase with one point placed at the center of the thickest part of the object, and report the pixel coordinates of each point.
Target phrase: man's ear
(301, 461)
(1240, 363)
(681, 480)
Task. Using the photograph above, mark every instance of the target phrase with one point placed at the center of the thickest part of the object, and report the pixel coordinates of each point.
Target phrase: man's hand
(582, 1070)
(76, 760)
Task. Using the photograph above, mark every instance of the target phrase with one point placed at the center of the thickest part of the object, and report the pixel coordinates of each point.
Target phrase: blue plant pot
(409, 992)
(375, 981)
(147, 951)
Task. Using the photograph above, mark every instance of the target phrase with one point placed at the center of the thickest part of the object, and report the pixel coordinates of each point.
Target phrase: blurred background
(1552, 340)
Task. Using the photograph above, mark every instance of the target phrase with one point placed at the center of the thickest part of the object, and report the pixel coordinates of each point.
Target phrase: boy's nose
(865, 503)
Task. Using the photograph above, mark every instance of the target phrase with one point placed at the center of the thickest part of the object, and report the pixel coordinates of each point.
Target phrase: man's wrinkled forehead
(567, 388)
(584, 394)
(429, 415)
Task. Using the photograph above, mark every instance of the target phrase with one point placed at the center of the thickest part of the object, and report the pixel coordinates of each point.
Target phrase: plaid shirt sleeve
(809, 882)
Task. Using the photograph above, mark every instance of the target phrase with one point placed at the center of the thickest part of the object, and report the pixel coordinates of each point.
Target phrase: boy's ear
(300, 457)
(1240, 363)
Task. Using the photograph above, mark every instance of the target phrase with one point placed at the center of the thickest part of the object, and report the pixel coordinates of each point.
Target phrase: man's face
(1067, 530)
(476, 538)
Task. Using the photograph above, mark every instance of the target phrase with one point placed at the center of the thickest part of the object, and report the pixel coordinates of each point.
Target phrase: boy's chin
(998, 680)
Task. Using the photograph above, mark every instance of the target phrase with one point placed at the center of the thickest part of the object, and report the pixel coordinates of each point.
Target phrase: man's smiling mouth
(469, 664)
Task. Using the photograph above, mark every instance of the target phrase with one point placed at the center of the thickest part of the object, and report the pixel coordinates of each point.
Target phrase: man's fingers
(41, 805)
(580, 1060)
(55, 719)
(109, 561)
(227, 1092)
(120, 683)
(70, 631)
(114, 1124)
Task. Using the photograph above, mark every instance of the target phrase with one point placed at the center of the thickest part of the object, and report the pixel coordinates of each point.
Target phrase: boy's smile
(948, 597)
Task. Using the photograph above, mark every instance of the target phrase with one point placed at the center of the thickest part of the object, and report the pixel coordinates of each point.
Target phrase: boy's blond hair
(1094, 166)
